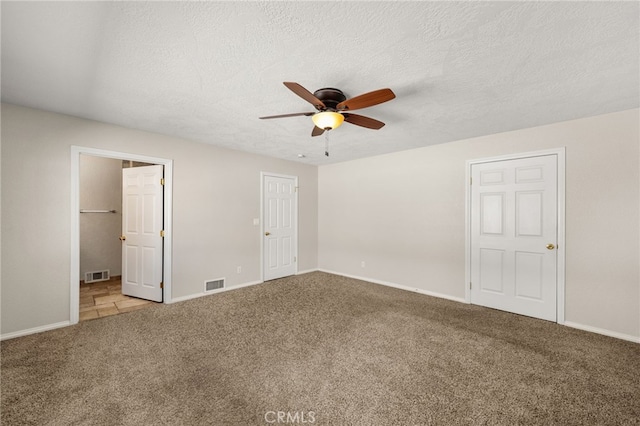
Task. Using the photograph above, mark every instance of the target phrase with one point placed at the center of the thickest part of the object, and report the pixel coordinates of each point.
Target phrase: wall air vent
(95, 276)
(213, 284)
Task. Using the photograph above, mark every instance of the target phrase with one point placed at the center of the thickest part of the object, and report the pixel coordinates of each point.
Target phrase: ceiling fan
(332, 107)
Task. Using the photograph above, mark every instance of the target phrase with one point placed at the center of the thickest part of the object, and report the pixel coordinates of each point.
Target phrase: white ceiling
(206, 71)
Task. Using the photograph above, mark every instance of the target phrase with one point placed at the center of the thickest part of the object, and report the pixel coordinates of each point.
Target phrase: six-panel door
(514, 235)
(142, 223)
(280, 228)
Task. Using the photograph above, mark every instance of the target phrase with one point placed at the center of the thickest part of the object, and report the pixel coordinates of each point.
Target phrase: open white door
(280, 216)
(142, 228)
(514, 235)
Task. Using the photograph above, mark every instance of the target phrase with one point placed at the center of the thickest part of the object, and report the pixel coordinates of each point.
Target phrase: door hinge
(161, 284)
(295, 258)
(470, 285)
(296, 190)
(162, 181)
(162, 233)
(470, 181)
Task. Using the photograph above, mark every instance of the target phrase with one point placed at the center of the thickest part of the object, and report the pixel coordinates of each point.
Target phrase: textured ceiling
(206, 71)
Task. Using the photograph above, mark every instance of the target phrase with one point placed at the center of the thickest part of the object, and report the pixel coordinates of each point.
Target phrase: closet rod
(97, 211)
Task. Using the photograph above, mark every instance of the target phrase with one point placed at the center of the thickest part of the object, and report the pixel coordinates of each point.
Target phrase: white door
(142, 225)
(514, 235)
(280, 211)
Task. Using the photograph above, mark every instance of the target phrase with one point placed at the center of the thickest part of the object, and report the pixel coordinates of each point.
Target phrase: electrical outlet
(363, 264)
(239, 269)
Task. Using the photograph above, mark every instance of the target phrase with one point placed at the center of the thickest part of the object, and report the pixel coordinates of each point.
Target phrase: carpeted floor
(321, 349)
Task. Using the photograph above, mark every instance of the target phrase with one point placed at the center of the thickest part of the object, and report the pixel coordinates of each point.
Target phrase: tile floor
(105, 298)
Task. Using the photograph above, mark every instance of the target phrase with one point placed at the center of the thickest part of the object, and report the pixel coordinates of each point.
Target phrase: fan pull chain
(326, 143)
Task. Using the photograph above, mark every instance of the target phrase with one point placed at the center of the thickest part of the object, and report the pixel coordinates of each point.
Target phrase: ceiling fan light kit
(327, 120)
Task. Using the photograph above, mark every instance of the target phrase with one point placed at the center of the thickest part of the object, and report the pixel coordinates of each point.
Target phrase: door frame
(560, 272)
(76, 151)
(262, 240)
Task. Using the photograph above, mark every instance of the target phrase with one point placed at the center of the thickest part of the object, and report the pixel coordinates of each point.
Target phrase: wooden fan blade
(368, 99)
(361, 120)
(317, 131)
(295, 114)
(304, 94)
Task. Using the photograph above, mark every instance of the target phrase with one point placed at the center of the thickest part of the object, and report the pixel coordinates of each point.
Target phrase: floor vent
(95, 276)
(213, 284)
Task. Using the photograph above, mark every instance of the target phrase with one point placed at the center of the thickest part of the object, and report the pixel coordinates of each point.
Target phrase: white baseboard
(596, 330)
(307, 271)
(209, 293)
(34, 330)
(603, 331)
(221, 290)
(399, 286)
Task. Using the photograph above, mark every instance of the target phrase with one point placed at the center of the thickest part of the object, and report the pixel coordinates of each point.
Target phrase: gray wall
(100, 189)
(216, 196)
(404, 215)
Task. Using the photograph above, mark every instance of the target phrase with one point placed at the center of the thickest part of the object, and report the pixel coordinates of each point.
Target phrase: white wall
(100, 189)
(216, 196)
(404, 215)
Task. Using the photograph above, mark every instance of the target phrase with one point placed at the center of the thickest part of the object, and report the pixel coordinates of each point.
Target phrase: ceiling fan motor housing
(330, 97)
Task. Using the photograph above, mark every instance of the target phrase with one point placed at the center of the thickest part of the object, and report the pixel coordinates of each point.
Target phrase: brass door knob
(267, 233)
(550, 246)
(122, 238)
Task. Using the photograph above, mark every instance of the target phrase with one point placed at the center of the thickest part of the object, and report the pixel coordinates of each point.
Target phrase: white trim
(295, 180)
(74, 290)
(306, 271)
(74, 272)
(34, 330)
(603, 331)
(212, 292)
(467, 234)
(561, 249)
(588, 328)
(398, 286)
(560, 272)
(518, 155)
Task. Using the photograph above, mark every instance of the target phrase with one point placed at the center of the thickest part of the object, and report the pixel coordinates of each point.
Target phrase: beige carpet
(324, 348)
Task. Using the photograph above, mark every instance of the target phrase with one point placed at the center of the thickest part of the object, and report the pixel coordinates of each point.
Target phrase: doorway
(165, 244)
(515, 234)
